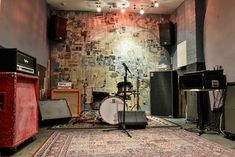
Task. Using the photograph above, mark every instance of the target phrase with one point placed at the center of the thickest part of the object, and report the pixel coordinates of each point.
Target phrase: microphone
(124, 64)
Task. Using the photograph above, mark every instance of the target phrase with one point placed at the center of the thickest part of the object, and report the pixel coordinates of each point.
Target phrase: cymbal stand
(137, 93)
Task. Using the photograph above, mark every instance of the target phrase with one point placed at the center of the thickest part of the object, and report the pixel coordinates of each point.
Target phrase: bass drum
(109, 109)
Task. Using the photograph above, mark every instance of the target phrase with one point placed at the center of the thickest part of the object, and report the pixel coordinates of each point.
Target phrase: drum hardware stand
(137, 93)
(84, 100)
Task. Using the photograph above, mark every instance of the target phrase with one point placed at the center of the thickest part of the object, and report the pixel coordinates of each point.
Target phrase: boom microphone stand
(123, 124)
(124, 101)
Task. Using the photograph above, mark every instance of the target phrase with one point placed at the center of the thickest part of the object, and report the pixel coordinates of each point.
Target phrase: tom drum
(122, 87)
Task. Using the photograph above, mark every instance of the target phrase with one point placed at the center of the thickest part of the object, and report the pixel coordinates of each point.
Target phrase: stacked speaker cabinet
(166, 34)
(18, 108)
(164, 93)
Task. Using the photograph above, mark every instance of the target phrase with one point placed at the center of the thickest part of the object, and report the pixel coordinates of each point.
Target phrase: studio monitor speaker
(164, 93)
(57, 28)
(133, 119)
(166, 33)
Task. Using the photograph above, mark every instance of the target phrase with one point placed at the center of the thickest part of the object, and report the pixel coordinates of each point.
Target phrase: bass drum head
(109, 109)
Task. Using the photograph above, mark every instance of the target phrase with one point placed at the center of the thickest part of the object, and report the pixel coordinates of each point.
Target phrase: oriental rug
(149, 142)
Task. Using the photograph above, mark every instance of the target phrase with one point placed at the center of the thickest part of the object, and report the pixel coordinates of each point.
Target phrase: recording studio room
(105, 78)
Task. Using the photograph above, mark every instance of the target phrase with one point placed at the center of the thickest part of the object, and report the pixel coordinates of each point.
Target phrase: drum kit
(107, 107)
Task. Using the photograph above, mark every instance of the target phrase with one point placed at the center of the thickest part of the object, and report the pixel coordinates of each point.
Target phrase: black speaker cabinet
(57, 28)
(164, 93)
(166, 34)
(133, 119)
(229, 109)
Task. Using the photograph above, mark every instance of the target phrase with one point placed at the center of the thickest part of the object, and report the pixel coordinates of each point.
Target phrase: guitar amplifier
(13, 60)
(203, 80)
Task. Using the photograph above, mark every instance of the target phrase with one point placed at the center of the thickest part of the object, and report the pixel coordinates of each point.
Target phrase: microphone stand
(124, 106)
(123, 124)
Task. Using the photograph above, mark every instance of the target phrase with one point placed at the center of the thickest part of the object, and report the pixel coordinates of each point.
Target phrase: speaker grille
(164, 93)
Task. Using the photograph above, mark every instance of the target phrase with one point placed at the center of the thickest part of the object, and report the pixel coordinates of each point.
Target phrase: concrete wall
(185, 19)
(219, 35)
(23, 25)
(189, 29)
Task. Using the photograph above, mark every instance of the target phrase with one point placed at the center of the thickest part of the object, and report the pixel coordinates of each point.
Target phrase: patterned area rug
(152, 121)
(150, 142)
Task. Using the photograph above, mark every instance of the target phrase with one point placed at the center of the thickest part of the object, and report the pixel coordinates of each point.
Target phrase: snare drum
(122, 87)
(109, 109)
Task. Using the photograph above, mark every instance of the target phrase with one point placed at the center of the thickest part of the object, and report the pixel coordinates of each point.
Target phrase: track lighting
(134, 7)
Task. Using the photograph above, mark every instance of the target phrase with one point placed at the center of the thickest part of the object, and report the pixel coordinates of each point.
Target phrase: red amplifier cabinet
(18, 108)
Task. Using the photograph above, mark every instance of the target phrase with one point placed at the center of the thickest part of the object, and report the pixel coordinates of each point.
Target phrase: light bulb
(123, 10)
(98, 9)
(142, 11)
(156, 4)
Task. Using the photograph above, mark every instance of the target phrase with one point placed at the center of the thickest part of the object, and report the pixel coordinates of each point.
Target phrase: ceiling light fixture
(156, 4)
(98, 8)
(134, 7)
(123, 8)
(141, 11)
